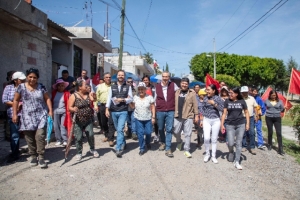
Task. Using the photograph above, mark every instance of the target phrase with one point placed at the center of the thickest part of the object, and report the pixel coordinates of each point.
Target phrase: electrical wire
(117, 4)
(257, 25)
(110, 5)
(135, 33)
(146, 22)
(250, 26)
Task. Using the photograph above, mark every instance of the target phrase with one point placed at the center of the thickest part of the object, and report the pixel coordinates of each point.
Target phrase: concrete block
(27, 52)
(31, 61)
(35, 54)
(31, 46)
(42, 56)
(39, 49)
(24, 43)
(35, 41)
(23, 59)
(39, 63)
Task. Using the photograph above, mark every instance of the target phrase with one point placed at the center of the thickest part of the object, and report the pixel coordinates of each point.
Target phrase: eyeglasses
(129, 81)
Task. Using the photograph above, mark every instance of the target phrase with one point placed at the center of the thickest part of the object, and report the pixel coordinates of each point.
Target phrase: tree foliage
(295, 114)
(247, 70)
(148, 57)
(229, 80)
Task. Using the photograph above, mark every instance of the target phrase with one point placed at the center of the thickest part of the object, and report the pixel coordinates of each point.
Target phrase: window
(77, 61)
(93, 65)
(138, 72)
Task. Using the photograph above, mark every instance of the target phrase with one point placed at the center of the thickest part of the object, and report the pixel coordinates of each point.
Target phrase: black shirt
(181, 99)
(235, 109)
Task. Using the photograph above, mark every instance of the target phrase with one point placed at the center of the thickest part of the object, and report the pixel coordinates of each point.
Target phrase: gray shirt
(59, 103)
(274, 111)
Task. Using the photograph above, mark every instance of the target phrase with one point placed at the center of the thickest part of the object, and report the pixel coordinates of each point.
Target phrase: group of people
(230, 114)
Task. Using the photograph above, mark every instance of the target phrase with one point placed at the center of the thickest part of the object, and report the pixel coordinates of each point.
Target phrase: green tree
(247, 70)
(167, 67)
(291, 63)
(148, 57)
(229, 80)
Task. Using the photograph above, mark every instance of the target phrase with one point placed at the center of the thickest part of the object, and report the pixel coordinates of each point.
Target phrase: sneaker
(42, 163)
(111, 143)
(206, 158)
(281, 152)
(238, 166)
(162, 147)
(141, 153)
(33, 162)
(252, 151)
(261, 146)
(187, 154)
(179, 146)
(134, 136)
(169, 154)
(118, 153)
(270, 147)
(214, 160)
(58, 143)
(123, 147)
(244, 149)
(95, 153)
(78, 157)
(230, 157)
(155, 139)
(65, 144)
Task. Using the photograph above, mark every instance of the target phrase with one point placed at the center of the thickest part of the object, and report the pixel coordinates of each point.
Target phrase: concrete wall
(62, 54)
(21, 50)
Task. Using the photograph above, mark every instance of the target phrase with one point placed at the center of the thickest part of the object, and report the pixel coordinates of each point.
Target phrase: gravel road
(151, 176)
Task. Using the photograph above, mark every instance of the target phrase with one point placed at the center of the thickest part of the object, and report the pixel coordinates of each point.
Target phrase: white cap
(18, 75)
(141, 84)
(244, 89)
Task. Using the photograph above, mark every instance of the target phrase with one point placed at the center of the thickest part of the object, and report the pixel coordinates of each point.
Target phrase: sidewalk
(288, 133)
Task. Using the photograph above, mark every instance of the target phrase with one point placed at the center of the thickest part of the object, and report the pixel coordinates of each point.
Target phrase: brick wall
(21, 50)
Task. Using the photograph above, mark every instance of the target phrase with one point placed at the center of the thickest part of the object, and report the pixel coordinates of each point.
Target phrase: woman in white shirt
(144, 114)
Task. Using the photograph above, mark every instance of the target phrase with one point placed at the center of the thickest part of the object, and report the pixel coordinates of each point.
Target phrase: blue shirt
(261, 103)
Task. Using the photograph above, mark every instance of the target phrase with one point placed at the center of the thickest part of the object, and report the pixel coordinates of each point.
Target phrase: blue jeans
(14, 138)
(260, 138)
(119, 119)
(143, 128)
(235, 133)
(250, 134)
(165, 120)
(131, 123)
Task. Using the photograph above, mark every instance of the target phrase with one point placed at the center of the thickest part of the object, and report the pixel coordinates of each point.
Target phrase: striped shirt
(8, 96)
(210, 111)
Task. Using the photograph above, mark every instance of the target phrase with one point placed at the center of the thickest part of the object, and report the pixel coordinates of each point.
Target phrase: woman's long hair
(214, 87)
(237, 91)
(273, 92)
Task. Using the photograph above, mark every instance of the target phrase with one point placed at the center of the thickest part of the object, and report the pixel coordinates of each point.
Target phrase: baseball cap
(244, 89)
(142, 84)
(18, 75)
(202, 92)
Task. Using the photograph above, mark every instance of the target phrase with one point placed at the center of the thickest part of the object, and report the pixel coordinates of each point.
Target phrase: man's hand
(223, 129)
(196, 119)
(247, 127)
(107, 114)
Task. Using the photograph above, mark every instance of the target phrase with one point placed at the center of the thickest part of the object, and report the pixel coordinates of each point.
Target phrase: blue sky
(176, 30)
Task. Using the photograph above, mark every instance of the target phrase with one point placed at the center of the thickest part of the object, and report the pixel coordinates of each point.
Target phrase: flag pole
(287, 95)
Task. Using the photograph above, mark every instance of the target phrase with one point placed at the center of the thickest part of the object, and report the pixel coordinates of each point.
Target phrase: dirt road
(151, 176)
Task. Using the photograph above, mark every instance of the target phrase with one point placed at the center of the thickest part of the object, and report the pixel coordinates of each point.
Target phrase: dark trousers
(276, 122)
(14, 138)
(99, 117)
(107, 124)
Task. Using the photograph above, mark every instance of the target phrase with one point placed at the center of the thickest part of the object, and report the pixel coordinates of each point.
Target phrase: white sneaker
(58, 143)
(64, 144)
(206, 158)
(155, 139)
(78, 157)
(238, 166)
(214, 160)
(95, 153)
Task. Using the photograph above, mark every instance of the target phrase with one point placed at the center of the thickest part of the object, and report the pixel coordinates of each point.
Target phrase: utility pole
(215, 70)
(105, 34)
(122, 34)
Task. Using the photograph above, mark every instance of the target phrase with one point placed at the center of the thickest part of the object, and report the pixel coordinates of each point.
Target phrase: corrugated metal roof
(59, 28)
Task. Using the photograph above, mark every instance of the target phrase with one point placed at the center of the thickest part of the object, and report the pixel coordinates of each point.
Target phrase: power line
(106, 3)
(117, 4)
(135, 33)
(250, 26)
(146, 22)
(257, 24)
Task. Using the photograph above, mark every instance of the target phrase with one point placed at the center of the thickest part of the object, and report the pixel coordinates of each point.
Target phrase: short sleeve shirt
(235, 110)
(142, 109)
(34, 110)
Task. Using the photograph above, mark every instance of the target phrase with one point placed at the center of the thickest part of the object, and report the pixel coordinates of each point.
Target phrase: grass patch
(290, 147)
(287, 121)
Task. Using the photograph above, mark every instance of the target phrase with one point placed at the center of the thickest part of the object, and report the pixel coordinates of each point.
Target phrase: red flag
(285, 102)
(295, 82)
(210, 80)
(96, 79)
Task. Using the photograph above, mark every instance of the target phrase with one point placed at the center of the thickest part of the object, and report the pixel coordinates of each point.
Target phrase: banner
(295, 82)
(96, 79)
(210, 80)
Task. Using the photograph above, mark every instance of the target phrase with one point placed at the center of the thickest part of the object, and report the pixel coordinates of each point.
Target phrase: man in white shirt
(251, 104)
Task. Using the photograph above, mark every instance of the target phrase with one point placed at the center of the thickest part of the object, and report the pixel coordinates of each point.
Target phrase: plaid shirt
(8, 96)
